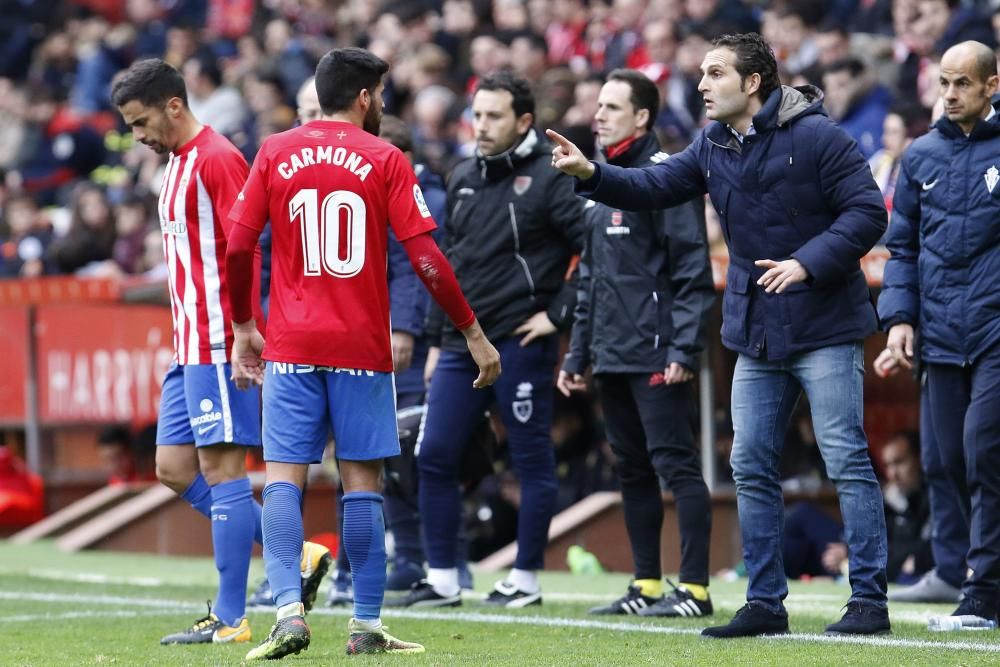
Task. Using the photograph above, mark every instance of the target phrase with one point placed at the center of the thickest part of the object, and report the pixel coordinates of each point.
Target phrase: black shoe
(422, 594)
(679, 604)
(971, 606)
(862, 618)
(632, 602)
(261, 597)
(752, 620)
(505, 594)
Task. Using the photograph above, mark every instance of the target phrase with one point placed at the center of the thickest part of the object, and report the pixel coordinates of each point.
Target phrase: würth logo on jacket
(521, 184)
(616, 228)
(992, 176)
(523, 407)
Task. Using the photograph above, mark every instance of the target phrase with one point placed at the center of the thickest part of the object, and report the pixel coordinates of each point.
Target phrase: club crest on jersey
(521, 184)
(616, 218)
(418, 196)
(992, 176)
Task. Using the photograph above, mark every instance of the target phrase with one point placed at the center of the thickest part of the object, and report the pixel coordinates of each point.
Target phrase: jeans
(764, 396)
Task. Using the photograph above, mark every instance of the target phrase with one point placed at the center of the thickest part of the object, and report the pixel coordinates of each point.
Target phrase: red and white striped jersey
(200, 184)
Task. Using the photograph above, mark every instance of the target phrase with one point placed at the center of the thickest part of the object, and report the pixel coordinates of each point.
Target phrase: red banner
(101, 363)
(58, 289)
(14, 377)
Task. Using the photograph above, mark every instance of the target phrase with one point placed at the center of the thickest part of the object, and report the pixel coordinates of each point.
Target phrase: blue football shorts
(200, 404)
(303, 403)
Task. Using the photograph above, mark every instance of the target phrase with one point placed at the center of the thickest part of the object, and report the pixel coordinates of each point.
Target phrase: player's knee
(175, 477)
(222, 466)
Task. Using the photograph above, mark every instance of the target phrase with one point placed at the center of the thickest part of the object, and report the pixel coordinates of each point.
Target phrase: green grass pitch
(100, 608)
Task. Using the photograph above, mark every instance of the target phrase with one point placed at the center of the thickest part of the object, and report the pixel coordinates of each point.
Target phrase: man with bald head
(940, 282)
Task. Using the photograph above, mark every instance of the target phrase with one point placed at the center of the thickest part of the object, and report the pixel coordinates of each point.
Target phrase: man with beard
(332, 189)
(513, 225)
(798, 209)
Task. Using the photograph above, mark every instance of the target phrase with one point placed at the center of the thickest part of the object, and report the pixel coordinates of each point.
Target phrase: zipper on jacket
(517, 250)
(656, 338)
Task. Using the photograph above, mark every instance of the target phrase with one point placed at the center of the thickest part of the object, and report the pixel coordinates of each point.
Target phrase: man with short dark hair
(645, 289)
(204, 424)
(798, 209)
(513, 225)
(941, 280)
(332, 190)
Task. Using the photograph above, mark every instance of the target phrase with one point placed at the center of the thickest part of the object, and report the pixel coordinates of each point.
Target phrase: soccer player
(332, 189)
(205, 425)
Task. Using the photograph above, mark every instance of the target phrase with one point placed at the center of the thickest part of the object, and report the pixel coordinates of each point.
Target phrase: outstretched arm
(672, 181)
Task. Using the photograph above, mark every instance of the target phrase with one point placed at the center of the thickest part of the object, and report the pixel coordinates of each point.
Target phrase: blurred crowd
(77, 196)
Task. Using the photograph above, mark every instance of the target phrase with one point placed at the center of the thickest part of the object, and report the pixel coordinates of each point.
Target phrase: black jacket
(513, 223)
(645, 283)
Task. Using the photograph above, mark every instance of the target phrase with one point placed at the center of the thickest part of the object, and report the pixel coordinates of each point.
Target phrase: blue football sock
(282, 522)
(199, 494)
(364, 541)
(232, 541)
(258, 525)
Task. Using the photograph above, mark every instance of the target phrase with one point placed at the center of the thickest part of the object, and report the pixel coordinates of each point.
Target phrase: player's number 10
(321, 236)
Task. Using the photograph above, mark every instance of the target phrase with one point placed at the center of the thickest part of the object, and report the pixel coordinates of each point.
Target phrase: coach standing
(798, 208)
(941, 279)
(645, 289)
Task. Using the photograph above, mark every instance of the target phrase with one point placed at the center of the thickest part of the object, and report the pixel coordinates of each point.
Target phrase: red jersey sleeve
(223, 176)
(408, 212)
(250, 207)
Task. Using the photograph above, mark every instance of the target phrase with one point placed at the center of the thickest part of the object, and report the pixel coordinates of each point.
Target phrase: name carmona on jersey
(340, 156)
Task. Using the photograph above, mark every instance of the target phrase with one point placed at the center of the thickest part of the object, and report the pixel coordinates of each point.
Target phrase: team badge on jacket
(521, 184)
(992, 176)
(522, 407)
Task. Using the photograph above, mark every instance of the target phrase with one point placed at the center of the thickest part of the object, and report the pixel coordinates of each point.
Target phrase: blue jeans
(764, 397)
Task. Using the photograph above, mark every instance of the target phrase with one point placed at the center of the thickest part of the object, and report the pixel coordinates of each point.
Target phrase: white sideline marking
(25, 618)
(95, 578)
(556, 622)
(178, 605)
(502, 619)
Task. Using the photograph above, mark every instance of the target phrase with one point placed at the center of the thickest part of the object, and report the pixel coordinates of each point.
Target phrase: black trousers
(965, 406)
(651, 429)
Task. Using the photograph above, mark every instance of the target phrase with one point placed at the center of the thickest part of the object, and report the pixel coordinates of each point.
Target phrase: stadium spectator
(857, 102)
(91, 236)
(901, 126)
(126, 459)
(22, 493)
(644, 352)
(949, 534)
(217, 105)
(24, 239)
(945, 23)
(512, 226)
(814, 541)
(131, 227)
(796, 323)
(948, 182)
(341, 343)
(205, 424)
